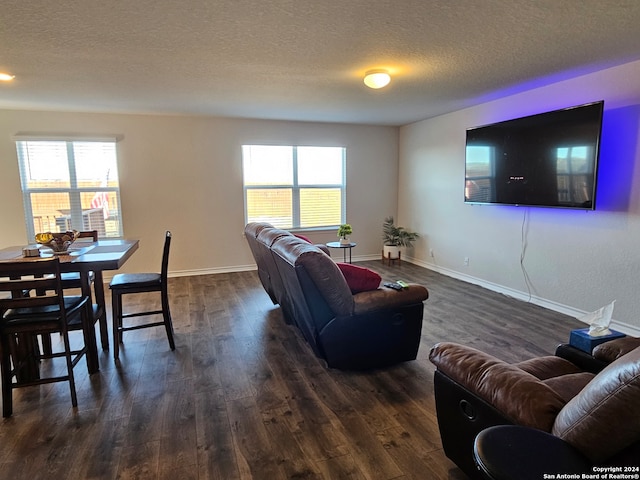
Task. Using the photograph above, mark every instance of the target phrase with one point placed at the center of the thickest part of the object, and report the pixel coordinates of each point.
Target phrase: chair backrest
(92, 234)
(165, 257)
(602, 420)
(42, 275)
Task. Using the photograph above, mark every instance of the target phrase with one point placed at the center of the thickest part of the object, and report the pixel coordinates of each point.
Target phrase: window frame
(74, 191)
(296, 187)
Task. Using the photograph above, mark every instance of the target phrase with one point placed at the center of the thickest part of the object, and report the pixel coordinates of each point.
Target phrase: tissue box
(581, 339)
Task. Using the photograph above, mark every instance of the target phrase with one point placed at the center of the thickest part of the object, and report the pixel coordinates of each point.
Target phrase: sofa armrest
(611, 351)
(511, 451)
(386, 298)
(520, 396)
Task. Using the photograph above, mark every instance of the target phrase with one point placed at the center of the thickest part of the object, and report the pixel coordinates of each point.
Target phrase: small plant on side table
(344, 231)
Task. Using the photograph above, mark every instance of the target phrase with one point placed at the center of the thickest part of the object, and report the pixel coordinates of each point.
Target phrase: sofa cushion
(548, 367)
(359, 279)
(603, 418)
(569, 385)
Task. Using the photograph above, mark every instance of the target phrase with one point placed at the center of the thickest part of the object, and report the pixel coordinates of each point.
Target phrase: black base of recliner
(461, 417)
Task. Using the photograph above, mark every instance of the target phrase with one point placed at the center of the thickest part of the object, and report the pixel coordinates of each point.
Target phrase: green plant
(397, 236)
(344, 230)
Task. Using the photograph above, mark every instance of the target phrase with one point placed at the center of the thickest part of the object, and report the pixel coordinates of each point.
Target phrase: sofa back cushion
(323, 272)
(603, 418)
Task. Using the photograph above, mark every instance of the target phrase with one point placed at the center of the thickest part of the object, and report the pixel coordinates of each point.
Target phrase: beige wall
(576, 261)
(185, 174)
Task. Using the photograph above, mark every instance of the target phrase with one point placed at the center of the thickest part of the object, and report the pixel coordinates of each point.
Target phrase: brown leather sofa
(364, 330)
(596, 413)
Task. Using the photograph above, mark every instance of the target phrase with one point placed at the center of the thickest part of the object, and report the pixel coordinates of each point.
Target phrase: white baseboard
(543, 302)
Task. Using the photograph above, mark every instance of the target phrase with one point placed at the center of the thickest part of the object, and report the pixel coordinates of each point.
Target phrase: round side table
(344, 247)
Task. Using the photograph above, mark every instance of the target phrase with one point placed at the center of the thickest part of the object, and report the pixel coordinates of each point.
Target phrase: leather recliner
(597, 413)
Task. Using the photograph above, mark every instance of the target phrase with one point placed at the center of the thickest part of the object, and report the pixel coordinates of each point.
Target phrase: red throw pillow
(302, 237)
(359, 279)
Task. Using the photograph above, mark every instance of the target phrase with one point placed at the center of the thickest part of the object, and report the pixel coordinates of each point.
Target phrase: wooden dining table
(84, 258)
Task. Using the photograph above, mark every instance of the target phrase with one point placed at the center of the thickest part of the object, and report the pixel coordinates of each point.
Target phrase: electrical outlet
(431, 252)
(466, 261)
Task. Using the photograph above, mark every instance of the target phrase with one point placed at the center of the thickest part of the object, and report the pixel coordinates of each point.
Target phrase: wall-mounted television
(544, 160)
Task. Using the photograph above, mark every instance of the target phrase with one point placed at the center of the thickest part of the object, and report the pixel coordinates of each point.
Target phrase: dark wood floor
(244, 397)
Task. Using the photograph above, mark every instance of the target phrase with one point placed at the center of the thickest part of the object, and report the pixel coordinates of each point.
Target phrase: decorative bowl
(58, 242)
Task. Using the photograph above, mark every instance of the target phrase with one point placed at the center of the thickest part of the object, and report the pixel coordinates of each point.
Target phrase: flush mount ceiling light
(377, 78)
(6, 77)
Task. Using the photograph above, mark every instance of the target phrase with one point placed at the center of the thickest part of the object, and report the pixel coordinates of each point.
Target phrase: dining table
(85, 258)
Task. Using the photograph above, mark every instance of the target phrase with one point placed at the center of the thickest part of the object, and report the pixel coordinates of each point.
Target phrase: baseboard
(543, 302)
(108, 275)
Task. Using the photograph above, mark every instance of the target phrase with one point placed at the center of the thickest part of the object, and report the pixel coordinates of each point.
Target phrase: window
(294, 187)
(70, 185)
(480, 174)
(575, 173)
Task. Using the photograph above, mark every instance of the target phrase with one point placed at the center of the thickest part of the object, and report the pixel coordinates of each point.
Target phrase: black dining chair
(72, 280)
(24, 318)
(126, 283)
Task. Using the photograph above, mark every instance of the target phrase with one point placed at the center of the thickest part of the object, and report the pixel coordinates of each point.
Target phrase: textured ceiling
(298, 59)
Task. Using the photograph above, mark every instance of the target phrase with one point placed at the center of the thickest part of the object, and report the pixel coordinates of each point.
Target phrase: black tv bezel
(538, 115)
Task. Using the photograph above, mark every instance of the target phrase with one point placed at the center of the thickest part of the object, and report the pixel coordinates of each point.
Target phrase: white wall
(576, 261)
(185, 174)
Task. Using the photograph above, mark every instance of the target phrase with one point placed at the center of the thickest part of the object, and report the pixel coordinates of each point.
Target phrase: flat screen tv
(544, 160)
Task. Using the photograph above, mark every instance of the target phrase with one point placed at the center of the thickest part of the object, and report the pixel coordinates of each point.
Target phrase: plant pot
(345, 241)
(391, 251)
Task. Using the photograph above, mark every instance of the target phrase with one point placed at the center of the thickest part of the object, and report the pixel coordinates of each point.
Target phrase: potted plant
(395, 237)
(343, 232)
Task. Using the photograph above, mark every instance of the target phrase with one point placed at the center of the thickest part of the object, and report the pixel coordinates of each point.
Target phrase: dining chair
(72, 280)
(127, 283)
(23, 318)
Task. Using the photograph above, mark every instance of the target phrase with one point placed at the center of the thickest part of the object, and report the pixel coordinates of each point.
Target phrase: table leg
(24, 351)
(98, 287)
(90, 334)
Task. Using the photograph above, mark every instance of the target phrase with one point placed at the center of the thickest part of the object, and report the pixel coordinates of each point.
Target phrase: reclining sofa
(596, 413)
(352, 331)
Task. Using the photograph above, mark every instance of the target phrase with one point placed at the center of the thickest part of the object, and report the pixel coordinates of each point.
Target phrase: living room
(187, 170)
(183, 172)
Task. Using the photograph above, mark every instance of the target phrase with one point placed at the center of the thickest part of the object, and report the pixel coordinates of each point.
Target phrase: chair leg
(46, 344)
(168, 323)
(116, 303)
(72, 381)
(7, 380)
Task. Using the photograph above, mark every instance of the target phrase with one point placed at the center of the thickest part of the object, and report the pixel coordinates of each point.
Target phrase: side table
(344, 247)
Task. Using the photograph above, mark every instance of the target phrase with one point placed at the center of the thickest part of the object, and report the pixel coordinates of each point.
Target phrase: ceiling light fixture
(377, 78)
(5, 77)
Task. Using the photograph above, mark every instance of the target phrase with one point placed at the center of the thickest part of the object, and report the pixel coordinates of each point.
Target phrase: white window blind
(294, 186)
(70, 184)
